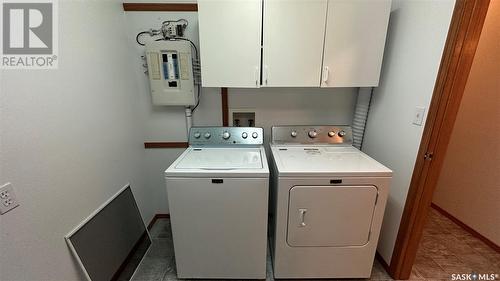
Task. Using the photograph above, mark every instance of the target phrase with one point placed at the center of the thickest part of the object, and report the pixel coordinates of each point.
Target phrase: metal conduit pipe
(189, 120)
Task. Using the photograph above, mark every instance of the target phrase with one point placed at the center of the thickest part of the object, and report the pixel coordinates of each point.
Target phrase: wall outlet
(418, 117)
(8, 199)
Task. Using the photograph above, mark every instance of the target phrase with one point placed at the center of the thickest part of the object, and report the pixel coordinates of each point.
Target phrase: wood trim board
(463, 37)
(225, 107)
(148, 145)
(160, 7)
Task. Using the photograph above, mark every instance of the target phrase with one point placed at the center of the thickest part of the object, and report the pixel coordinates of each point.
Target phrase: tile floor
(445, 249)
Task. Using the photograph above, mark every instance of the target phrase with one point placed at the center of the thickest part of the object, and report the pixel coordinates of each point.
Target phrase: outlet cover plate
(8, 199)
(418, 117)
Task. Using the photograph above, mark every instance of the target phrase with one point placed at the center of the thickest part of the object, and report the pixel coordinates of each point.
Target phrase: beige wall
(469, 185)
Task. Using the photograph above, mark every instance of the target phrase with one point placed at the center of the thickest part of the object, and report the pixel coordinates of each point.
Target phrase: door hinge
(428, 156)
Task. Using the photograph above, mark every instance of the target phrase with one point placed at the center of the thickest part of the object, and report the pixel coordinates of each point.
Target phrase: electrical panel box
(170, 69)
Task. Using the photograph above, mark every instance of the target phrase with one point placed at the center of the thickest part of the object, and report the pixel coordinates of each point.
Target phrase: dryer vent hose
(361, 115)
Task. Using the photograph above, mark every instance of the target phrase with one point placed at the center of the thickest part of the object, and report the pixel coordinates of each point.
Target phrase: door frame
(461, 44)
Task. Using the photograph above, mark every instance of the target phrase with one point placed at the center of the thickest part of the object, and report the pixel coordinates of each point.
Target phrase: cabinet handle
(302, 213)
(326, 73)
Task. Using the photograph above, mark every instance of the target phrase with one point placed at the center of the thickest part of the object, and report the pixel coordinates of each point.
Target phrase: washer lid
(326, 160)
(226, 158)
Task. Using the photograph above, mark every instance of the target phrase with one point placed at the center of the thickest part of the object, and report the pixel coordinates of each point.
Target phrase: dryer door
(330, 216)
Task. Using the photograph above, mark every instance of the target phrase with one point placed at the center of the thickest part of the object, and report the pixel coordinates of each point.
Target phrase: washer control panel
(226, 136)
(312, 134)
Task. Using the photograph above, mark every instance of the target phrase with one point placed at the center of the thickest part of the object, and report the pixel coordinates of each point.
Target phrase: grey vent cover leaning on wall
(112, 238)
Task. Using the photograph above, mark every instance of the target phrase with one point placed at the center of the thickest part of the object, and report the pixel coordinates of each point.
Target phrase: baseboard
(467, 228)
(144, 239)
(155, 218)
(132, 252)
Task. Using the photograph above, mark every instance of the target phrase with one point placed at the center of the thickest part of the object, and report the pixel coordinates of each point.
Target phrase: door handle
(302, 214)
(326, 74)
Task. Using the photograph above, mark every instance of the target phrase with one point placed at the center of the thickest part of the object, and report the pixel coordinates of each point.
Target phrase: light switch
(418, 117)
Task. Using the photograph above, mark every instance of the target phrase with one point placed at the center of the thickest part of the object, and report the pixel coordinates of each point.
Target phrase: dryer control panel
(312, 134)
(226, 136)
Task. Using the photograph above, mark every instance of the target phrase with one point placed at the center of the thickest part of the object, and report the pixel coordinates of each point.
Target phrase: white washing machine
(218, 200)
(327, 203)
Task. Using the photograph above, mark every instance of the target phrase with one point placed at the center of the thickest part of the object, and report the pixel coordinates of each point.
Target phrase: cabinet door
(230, 42)
(293, 42)
(354, 42)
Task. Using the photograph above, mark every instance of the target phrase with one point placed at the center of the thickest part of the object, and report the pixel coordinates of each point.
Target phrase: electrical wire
(151, 32)
(155, 32)
(192, 44)
(138, 35)
(197, 59)
(197, 99)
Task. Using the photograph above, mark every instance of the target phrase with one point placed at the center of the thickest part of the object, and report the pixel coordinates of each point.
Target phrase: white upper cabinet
(293, 39)
(297, 43)
(354, 42)
(230, 42)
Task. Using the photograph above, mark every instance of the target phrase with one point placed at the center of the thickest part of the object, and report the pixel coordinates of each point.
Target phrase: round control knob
(255, 135)
(294, 133)
(244, 135)
(342, 133)
(197, 135)
(331, 134)
(312, 134)
(226, 135)
(207, 135)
